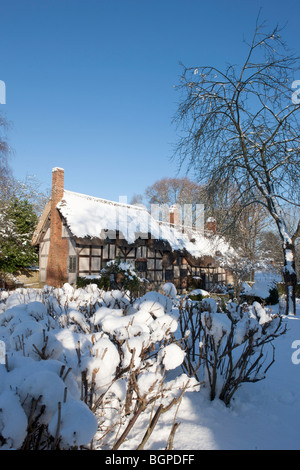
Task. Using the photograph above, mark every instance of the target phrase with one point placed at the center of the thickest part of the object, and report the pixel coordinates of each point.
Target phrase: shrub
(281, 289)
(68, 376)
(271, 299)
(229, 348)
(116, 275)
(196, 297)
(82, 282)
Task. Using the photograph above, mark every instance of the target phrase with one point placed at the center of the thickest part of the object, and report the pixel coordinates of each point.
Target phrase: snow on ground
(264, 415)
(267, 276)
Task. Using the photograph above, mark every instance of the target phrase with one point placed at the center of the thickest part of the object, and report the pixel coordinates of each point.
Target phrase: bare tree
(240, 225)
(241, 127)
(270, 245)
(180, 192)
(174, 191)
(136, 199)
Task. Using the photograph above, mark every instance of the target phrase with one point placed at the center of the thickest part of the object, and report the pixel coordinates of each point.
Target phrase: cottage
(78, 234)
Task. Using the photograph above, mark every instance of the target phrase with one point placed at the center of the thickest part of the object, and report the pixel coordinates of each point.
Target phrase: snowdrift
(83, 368)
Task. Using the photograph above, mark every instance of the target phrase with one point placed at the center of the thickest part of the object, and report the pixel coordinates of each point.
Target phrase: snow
(13, 421)
(57, 168)
(210, 305)
(261, 289)
(50, 341)
(264, 282)
(105, 359)
(263, 416)
(92, 217)
(172, 356)
(43, 386)
(76, 432)
(170, 290)
(202, 292)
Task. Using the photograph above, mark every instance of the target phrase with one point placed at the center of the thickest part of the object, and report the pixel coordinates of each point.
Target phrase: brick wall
(174, 215)
(57, 272)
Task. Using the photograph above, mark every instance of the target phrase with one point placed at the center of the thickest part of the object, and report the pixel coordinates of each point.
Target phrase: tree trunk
(290, 277)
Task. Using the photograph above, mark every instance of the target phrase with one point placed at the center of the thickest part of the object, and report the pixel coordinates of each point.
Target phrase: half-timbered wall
(149, 258)
(43, 255)
(155, 265)
(72, 261)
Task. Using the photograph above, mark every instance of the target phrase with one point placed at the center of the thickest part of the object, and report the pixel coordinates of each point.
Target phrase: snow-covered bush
(83, 365)
(116, 275)
(228, 348)
(262, 291)
(170, 290)
(240, 268)
(198, 294)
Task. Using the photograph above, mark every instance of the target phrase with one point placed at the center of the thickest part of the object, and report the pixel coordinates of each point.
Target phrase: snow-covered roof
(93, 217)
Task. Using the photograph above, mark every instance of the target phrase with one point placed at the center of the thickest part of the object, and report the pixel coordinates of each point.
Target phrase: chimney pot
(211, 225)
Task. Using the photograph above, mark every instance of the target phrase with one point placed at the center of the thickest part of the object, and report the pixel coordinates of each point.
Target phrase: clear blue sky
(90, 83)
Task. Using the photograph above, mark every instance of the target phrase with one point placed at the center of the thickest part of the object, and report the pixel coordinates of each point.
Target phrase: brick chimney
(211, 225)
(174, 215)
(57, 272)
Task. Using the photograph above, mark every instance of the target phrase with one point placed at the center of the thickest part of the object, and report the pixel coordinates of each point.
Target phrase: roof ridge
(106, 201)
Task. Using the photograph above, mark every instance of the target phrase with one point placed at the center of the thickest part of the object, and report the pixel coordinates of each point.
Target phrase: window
(72, 264)
(169, 275)
(141, 266)
(183, 273)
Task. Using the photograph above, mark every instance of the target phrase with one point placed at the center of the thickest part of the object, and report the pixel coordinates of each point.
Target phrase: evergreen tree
(17, 223)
